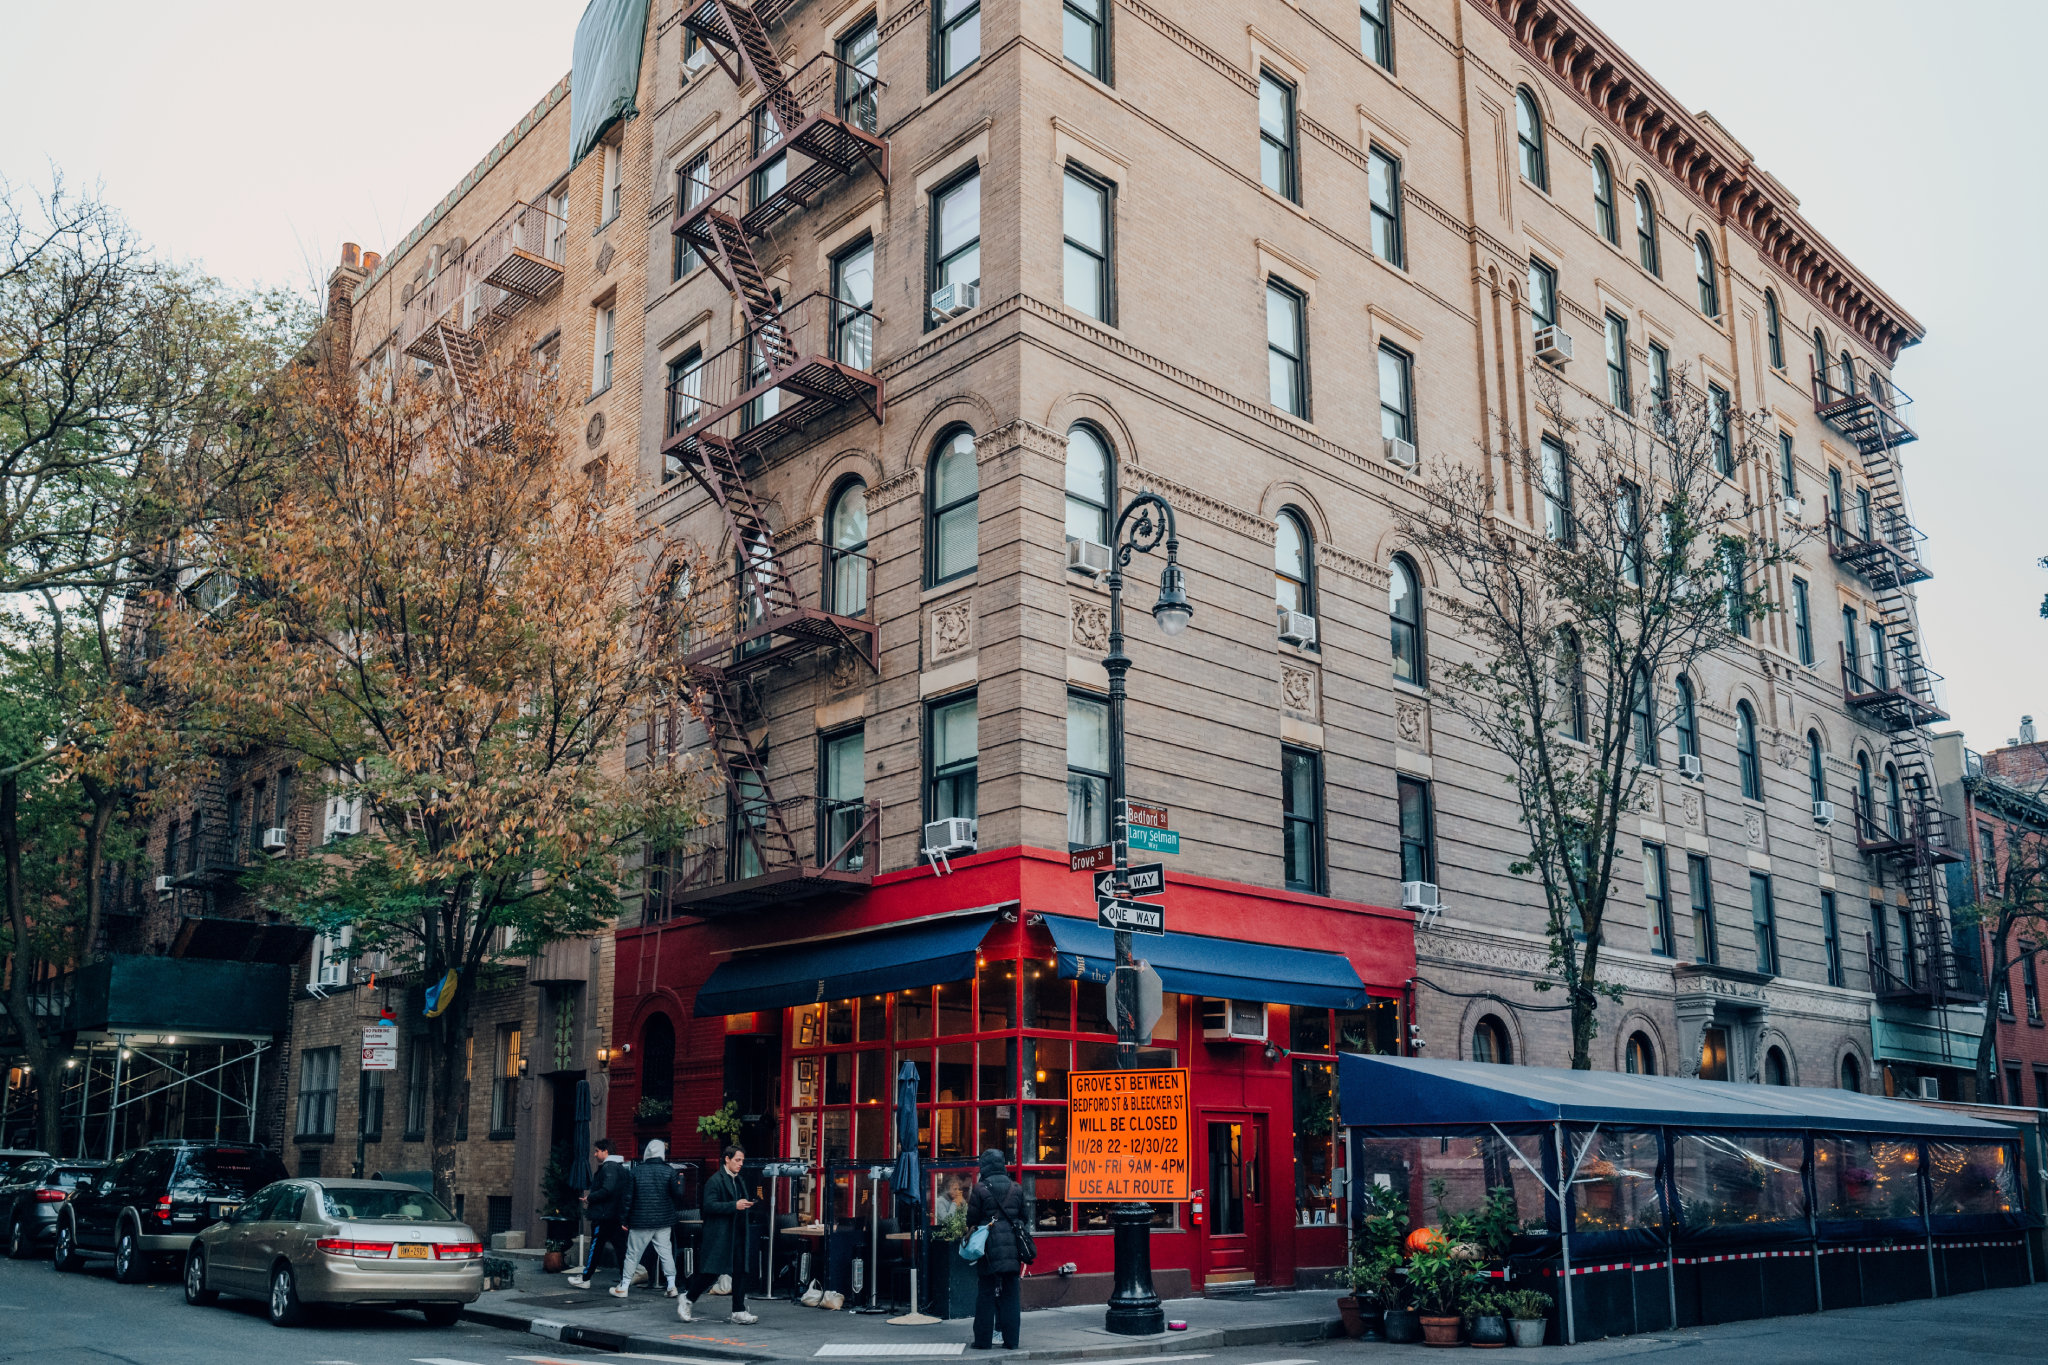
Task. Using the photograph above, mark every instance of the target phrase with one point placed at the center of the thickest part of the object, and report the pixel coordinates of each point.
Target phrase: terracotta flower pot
(1489, 1330)
(1442, 1331)
(1401, 1326)
(1528, 1331)
(1354, 1319)
(552, 1262)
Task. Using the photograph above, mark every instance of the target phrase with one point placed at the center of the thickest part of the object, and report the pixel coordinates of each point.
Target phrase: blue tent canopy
(837, 968)
(1221, 968)
(1396, 1096)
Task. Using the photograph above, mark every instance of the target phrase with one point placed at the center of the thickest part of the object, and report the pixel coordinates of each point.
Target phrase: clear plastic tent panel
(1970, 1178)
(1857, 1177)
(1468, 1168)
(1739, 1179)
(1616, 1185)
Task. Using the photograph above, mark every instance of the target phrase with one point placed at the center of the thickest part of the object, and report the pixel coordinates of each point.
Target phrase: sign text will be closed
(1129, 1135)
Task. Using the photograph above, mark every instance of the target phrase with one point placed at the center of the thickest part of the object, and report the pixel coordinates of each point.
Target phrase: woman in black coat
(994, 1196)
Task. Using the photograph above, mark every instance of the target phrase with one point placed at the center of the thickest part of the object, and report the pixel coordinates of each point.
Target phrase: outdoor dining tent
(1665, 1201)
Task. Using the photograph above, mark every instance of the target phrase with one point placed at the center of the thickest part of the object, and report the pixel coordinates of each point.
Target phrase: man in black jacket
(724, 1249)
(651, 1217)
(606, 1205)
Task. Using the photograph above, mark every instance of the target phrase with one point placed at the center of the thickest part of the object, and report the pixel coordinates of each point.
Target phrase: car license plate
(412, 1251)
(225, 1210)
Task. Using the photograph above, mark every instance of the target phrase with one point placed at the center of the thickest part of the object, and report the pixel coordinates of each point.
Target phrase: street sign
(1091, 859)
(380, 1048)
(1148, 840)
(1140, 917)
(1140, 879)
(1151, 996)
(1129, 1136)
(1149, 817)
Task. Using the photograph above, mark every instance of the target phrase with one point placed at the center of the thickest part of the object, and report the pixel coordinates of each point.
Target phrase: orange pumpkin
(1422, 1239)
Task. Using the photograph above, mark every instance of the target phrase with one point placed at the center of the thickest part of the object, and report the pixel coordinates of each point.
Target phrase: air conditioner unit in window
(275, 839)
(344, 817)
(1420, 896)
(1823, 813)
(1553, 344)
(954, 300)
(163, 884)
(951, 835)
(1087, 557)
(1234, 1021)
(1297, 628)
(697, 60)
(1794, 508)
(1399, 452)
(1690, 768)
(1930, 1087)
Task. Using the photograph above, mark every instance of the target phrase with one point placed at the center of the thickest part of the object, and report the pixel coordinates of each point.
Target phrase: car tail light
(163, 1209)
(341, 1246)
(51, 1196)
(458, 1251)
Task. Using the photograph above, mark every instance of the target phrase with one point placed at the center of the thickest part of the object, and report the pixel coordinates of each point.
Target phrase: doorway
(1235, 1241)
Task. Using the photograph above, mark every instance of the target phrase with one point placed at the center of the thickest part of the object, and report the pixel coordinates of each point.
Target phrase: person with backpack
(997, 1203)
(606, 1205)
(651, 1217)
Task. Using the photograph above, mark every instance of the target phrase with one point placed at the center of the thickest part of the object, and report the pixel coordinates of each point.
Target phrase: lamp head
(1172, 610)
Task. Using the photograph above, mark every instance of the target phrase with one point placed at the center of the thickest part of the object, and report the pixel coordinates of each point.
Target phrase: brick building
(938, 288)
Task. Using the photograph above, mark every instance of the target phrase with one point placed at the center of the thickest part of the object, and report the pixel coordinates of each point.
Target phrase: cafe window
(1316, 1036)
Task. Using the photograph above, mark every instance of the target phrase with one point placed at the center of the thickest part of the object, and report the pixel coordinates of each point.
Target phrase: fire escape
(795, 361)
(449, 320)
(1888, 685)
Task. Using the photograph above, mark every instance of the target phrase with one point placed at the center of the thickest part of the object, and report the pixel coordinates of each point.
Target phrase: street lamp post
(1134, 1308)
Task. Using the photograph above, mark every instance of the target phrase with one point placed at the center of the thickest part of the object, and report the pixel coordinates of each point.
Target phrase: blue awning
(838, 968)
(1221, 968)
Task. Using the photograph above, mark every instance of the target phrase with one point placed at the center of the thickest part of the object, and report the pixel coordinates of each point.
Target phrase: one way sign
(1145, 879)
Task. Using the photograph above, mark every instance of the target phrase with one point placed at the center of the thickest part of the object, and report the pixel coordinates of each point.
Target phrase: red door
(1234, 1240)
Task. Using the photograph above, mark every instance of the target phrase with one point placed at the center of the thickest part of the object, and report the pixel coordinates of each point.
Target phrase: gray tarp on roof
(605, 79)
(1393, 1095)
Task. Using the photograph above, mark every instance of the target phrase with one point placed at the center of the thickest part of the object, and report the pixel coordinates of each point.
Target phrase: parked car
(341, 1242)
(11, 1157)
(151, 1201)
(30, 1195)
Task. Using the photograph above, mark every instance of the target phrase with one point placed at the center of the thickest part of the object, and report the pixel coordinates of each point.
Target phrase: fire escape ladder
(717, 469)
(732, 257)
(459, 353)
(729, 27)
(756, 815)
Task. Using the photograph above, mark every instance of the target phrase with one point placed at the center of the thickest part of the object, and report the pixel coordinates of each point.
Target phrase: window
(1642, 1058)
(1278, 171)
(952, 778)
(2030, 984)
(1646, 230)
(1383, 184)
(1788, 468)
(330, 964)
(1557, 494)
(956, 37)
(1087, 770)
(1301, 818)
(1542, 295)
(1293, 577)
(1746, 752)
(1084, 36)
(505, 1083)
(1375, 33)
(1762, 920)
(1851, 651)
(1660, 382)
(319, 1079)
(1863, 517)
(1831, 938)
(1628, 517)
(606, 336)
(1852, 1074)
(1490, 1042)
(1657, 897)
(1880, 659)
(1397, 400)
(370, 1113)
(846, 526)
(1894, 812)
(1643, 717)
(1086, 225)
(685, 392)
(954, 530)
(614, 189)
(416, 1090)
(1088, 485)
(857, 54)
(1836, 504)
(1571, 681)
(1738, 589)
(1866, 808)
(843, 794)
(1529, 134)
(1286, 350)
(1775, 1070)
(1987, 871)
(1774, 333)
(1802, 622)
(1848, 373)
(1699, 878)
(1703, 267)
(1418, 851)
(853, 301)
(768, 181)
(1617, 363)
(956, 234)
(1909, 956)
(1604, 216)
(1719, 420)
(1820, 356)
(1404, 614)
(1816, 767)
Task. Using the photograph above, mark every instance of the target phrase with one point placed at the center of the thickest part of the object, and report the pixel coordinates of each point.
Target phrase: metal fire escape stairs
(768, 621)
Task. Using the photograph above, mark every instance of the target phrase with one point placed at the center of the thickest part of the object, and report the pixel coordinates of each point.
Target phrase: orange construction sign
(1129, 1136)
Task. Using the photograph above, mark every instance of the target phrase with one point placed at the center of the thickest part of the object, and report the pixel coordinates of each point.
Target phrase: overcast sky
(256, 137)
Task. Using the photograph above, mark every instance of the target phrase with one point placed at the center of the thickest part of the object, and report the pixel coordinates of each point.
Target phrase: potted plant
(1526, 1310)
(1364, 1278)
(551, 1260)
(652, 1110)
(1440, 1283)
(722, 1126)
(954, 1282)
(1486, 1320)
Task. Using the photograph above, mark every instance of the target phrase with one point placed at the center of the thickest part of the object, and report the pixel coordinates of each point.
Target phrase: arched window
(1529, 132)
(1852, 1073)
(953, 516)
(1404, 610)
(1773, 330)
(1604, 216)
(1646, 230)
(1293, 577)
(1820, 356)
(1866, 812)
(1848, 373)
(1816, 767)
(1088, 485)
(1688, 721)
(1490, 1042)
(1571, 681)
(846, 529)
(1642, 1057)
(1746, 753)
(1775, 1070)
(1643, 718)
(1703, 266)
(1894, 812)
(658, 1058)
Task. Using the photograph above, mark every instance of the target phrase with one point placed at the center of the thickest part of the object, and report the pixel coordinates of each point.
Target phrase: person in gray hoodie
(651, 1217)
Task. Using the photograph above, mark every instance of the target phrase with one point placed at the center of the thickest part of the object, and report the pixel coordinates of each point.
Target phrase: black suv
(30, 1195)
(151, 1200)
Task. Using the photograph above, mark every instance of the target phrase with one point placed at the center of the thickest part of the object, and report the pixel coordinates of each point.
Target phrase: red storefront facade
(815, 1080)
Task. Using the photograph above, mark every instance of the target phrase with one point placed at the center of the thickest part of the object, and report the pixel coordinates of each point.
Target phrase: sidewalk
(647, 1324)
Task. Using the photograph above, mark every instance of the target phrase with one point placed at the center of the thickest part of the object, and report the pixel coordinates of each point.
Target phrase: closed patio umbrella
(579, 1163)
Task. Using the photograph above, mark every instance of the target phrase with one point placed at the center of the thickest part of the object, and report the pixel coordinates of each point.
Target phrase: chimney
(341, 293)
(2026, 729)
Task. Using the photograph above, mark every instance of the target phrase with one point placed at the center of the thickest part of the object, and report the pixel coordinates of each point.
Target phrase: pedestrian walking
(606, 1205)
(724, 1246)
(651, 1217)
(998, 1202)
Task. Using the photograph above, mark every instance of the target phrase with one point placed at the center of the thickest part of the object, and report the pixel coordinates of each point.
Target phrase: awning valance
(838, 968)
(1221, 968)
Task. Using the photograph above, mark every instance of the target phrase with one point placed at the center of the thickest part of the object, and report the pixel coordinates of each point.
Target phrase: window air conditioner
(1823, 813)
(951, 835)
(1087, 556)
(1930, 1087)
(698, 60)
(163, 884)
(1420, 896)
(1553, 344)
(1690, 768)
(1399, 452)
(1794, 508)
(1297, 628)
(274, 840)
(344, 817)
(954, 300)
(1234, 1021)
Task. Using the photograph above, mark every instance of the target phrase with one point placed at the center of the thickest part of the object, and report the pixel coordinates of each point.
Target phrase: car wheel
(285, 1308)
(131, 1266)
(19, 1243)
(65, 1256)
(196, 1292)
(442, 1314)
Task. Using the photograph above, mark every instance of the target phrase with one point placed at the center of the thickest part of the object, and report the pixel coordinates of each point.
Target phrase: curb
(602, 1338)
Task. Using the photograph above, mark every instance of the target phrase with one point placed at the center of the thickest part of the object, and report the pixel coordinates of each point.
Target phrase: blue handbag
(976, 1244)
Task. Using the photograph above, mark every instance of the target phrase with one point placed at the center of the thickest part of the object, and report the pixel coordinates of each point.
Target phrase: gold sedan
(298, 1242)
